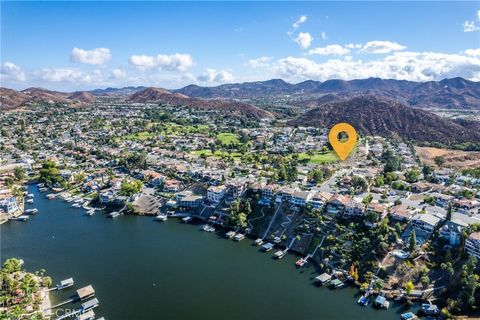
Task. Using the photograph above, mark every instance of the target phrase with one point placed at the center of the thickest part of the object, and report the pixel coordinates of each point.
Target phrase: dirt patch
(453, 158)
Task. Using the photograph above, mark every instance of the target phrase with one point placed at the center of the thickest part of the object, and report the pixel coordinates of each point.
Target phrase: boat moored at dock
(65, 284)
(230, 234)
(31, 211)
(187, 219)
(113, 214)
(239, 236)
(267, 246)
(20, 218)
(208, 228)
(161, 217)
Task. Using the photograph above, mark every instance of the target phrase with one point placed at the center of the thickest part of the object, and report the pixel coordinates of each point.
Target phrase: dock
(113, 214)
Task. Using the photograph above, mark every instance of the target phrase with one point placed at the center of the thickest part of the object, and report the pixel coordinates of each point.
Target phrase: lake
(143, 269)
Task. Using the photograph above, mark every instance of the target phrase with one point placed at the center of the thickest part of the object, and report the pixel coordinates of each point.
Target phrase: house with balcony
(472, 245)
(216, 193)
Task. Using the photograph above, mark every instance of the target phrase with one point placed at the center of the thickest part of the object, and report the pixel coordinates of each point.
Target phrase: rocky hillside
(158, 95)
(375, 115)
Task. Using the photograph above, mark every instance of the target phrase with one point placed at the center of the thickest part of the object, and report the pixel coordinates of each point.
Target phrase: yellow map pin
(342, 148)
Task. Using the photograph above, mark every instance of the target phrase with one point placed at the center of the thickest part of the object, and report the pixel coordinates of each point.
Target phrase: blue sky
(84, 45)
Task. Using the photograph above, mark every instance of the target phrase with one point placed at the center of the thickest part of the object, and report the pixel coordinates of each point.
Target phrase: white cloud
(11, 72)
(353, 45)
(69, 75)
(118, 74)
(470, 26)
(299, 21)
(212, 75)
(332, 49)
(415, 66)
(478, 15)
(379, 47)
(473, 52)
(304, 39)
(174, 62)
(96, 56)
(323, 35)
(259, 62)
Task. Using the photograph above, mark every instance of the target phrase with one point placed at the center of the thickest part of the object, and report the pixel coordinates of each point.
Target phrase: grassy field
(319, 157)
(139, 136)
(227, 138)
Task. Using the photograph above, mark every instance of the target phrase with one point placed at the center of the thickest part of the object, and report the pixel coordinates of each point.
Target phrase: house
(354, 208)
(337, 203)
(171, 186)
(235, 188)
(451, 231)
(472, 245)
(191, 201)
(9, 204)
(107, 196)
(442, 200)
(401, 213)
(377, 209)
(300, 198)
(419, 187)
(268, 191)
(425, 223)
(216, 193)
(319, 199)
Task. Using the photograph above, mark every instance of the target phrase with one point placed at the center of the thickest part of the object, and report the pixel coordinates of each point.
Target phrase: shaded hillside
(239, 90)
(455, 93)
(157, 95)
(379, 116)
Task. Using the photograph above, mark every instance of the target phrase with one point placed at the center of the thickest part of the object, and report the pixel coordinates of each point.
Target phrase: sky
(85, 45)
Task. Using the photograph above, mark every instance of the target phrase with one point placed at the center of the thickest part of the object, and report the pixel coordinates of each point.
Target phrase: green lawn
(139, 136)
(227, 138)
(319, 157)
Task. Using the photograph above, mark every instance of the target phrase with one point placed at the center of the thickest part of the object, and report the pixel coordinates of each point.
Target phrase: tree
(427, 170)
(19, 173)
(412, 241)
(129, 188)
(412, 175)
(409, 287)
(449, 213)
(439, 160)
(367, 200)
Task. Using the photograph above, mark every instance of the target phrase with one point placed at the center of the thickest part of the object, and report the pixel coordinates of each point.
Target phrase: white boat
(208, 228)
(239, 237)
(51, 196)
(114, 214)
(31, 211)
(76, 205)
(280, 254)
(21, 218)
(30, 195)
(90, 212)
(259, 242)
(43, 189)
(41, 185)
(161, 217)
(187, 219)
(30, 201)
(267, 246)
(230, 234)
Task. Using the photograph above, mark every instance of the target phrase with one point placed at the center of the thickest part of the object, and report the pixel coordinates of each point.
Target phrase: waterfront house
(191, 201)
(472, 245)
(268, 191)
(171, 185)
(235, 188)
(216, 193)
(107, 196)
(8, 204)
(319, 199)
